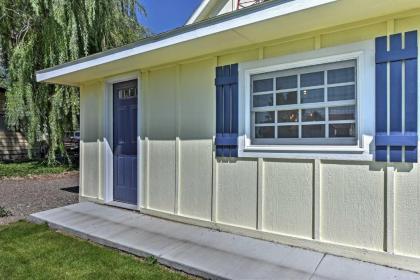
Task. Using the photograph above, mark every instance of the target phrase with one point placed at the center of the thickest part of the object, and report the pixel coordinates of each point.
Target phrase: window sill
(352, 153)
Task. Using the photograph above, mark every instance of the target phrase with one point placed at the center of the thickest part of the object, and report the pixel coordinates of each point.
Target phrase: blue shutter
(397, 58)
(227, 111)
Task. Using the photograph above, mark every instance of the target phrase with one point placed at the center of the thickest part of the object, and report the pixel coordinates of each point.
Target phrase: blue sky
(164, 15)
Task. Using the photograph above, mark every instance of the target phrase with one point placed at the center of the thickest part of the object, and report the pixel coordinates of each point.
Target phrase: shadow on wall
(375, 166)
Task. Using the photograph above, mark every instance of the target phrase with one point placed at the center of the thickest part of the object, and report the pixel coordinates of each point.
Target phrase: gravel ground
(24, 196)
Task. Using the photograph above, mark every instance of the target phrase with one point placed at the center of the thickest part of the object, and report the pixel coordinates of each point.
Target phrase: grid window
(309, 105)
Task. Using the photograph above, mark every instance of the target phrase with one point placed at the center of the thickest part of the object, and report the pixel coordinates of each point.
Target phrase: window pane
(342, 113)
(341, 75)
(342, 130)
(286, 98)
(341, 93)
(264, 132)
(313, 115)
(264, 117)
(312, 95)
(286, 82)
(312, 79)
(263, 85)
(288, 116)
(305, 105)
(289, 131)
(263, 100)
(313, 131)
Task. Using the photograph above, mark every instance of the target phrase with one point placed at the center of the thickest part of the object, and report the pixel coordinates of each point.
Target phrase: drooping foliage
(37, 34)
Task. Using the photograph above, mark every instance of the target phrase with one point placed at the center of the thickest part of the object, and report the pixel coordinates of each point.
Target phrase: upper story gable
(212, 8)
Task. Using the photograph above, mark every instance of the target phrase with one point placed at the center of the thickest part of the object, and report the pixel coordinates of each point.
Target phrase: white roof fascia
(198, 11)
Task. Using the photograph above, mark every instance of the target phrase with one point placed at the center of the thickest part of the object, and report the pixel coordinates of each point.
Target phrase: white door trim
(108, 136)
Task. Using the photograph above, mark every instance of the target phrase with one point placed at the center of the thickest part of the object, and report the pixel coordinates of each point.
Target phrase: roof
(241, 28)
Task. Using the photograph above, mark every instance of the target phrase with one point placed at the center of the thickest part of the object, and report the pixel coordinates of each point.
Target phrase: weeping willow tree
(37, 34)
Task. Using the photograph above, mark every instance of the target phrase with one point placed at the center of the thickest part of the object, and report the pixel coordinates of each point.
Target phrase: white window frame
(364, 54)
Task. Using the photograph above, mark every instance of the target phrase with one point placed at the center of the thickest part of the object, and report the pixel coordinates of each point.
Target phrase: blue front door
(125, 142)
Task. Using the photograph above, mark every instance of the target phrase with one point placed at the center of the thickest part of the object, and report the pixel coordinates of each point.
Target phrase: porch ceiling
(275, 21)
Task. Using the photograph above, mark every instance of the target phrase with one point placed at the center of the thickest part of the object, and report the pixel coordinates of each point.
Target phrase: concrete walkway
(204, 252)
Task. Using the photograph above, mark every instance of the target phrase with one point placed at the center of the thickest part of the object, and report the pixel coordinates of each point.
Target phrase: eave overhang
(260, 23)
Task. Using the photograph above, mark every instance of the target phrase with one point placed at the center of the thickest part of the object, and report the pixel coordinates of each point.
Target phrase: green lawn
(29, 251)
(30, 168)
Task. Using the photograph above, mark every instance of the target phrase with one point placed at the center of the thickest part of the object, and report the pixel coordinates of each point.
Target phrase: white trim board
(276, 11)
(201, 8)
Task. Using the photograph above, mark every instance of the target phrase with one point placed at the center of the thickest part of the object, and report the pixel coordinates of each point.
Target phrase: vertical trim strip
(177, 174)
(390, 209)
(317, 200)
(260, 194)
(147, 185)
(214, 187)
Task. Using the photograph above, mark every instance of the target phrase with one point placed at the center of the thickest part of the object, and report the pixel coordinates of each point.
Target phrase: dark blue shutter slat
(411, 87)
(381, 97)
(411, 107)
(219, 110)
(227, 111)
(235, 106)
(397, 56)
(396, 97)
(396, 139)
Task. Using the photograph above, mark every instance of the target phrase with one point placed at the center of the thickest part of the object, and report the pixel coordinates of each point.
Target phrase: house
(294, 121)
(13, 145)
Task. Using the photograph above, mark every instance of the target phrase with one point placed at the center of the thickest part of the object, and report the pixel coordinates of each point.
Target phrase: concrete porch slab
(205, 252)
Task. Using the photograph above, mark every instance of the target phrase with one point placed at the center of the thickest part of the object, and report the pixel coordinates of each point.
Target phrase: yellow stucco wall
(264, 197)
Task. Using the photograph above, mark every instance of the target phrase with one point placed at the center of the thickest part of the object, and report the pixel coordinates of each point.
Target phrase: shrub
(4, 212)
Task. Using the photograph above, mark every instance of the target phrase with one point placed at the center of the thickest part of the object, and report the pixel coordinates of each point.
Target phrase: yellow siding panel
(195, 189)
(91, 108)
(348, 36)
(352, 204)
(407, 210)
(162, 175)
(287, 48)
(91, 128)
(407, 24)
(196, 100)
(237, 57)
(90, 180)
(287, 197)
(237, 192)
(160, 100)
